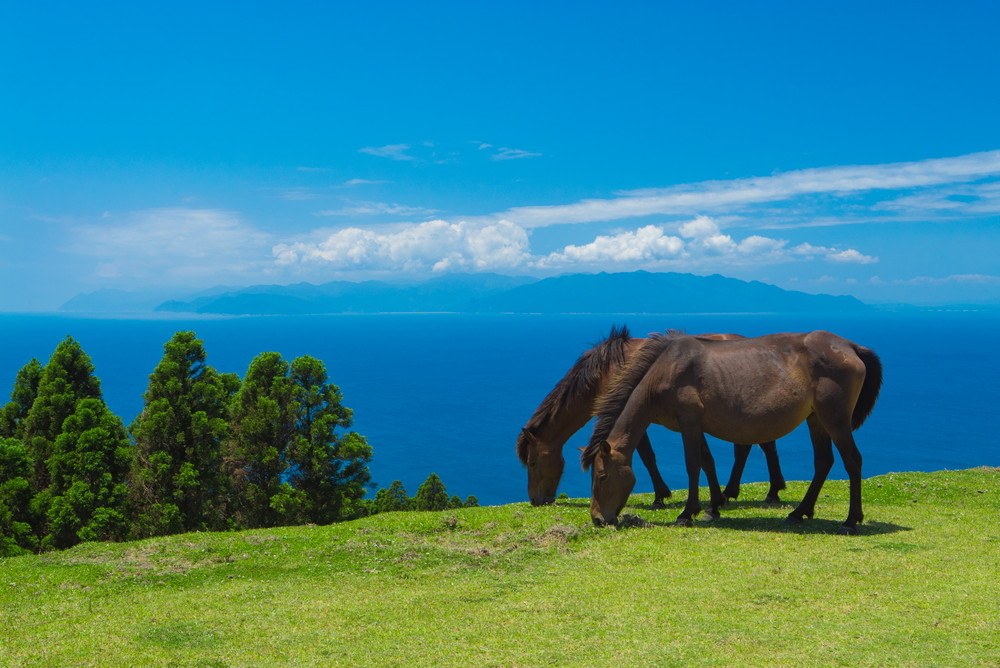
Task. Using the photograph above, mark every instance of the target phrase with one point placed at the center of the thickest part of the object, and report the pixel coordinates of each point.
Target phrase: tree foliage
(331, 470)
(13, 413)
(289, 463)
(67, 378)
(177, 482)
(88, 468)
(392, 498)
(432, 495)
(16, 535)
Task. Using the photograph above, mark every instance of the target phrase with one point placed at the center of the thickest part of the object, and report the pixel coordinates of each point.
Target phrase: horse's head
(545, 465)
(612, 482)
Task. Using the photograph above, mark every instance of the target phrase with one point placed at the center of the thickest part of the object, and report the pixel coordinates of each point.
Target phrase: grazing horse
(570, 405)
(745, 391)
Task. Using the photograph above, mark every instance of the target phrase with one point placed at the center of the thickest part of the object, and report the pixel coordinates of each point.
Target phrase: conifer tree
(16, 535)
(88, 467)
(12, 415)
(177, 481)
(263, 420)
(67, 378)
(287, 462)
(431, 495)
(331, 470)
(392, 498)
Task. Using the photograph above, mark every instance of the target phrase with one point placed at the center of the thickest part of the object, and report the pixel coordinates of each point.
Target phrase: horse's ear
(605, 448)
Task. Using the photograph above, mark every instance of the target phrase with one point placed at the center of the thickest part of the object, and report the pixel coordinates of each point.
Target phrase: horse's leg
(718, 499)
(693, 443)
(822, 463)
(849, 452)
(773, 471)
(660, 489)
(740, 454)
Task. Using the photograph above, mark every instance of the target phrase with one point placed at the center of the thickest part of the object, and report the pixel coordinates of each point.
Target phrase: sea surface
(449, 393)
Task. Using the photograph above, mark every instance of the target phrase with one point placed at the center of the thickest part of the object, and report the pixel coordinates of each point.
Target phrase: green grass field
(521, 586)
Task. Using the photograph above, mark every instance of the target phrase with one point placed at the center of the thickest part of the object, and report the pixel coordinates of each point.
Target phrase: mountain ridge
(628, 292)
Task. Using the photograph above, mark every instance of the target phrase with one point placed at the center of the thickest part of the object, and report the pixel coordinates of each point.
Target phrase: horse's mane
(610, 406)
(588, 370)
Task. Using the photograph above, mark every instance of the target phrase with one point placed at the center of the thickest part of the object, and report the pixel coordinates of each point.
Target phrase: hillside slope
(515, 585)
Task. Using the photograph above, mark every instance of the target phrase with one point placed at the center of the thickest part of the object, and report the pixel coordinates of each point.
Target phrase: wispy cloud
(173, 245)
(376, 209)
(504, 153)
(390, 151)
(353, 183)
(714, 197)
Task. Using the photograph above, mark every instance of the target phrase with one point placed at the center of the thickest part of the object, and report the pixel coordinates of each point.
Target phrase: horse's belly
(755, 424)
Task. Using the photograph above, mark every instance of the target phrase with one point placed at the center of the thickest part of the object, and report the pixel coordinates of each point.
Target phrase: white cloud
(376, 209)
(504, 153)
(736, 194)
(851, 256)
(173, 245)
(434, 245)
(390, 151)
(701, 244)
(352, 183)
(647, 244)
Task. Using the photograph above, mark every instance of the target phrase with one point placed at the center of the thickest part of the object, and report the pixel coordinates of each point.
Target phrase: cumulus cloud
(700, 243)
(435, 245)
(647, 244)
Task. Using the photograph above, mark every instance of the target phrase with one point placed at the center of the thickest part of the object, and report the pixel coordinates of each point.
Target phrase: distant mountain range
(634, 292)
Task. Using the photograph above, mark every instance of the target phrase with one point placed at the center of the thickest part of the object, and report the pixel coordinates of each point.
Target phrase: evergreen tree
(264, 415)
(431, 495)
(392, 498)
(12, 415)
(177, 482)
(471, 502)
(66, 379)
(330, 470)
(16, 535)
(88, 467)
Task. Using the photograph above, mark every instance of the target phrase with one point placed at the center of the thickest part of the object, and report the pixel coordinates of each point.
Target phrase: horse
(570, 405)
(744, 390)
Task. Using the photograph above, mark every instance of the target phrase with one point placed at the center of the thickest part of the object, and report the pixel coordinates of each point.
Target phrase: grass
(521, 586)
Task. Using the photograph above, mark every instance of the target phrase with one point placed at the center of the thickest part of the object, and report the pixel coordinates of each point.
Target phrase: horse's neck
(631, 424)
(565, 423)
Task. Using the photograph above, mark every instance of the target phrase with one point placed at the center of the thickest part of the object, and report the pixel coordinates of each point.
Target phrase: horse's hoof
(731, 494)
(658, 505)
(684, 522)
(848, 531)
(793, 519)
(710, 515)
(772, 500)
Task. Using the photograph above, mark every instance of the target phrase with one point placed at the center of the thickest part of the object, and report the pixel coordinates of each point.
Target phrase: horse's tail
(871, 386)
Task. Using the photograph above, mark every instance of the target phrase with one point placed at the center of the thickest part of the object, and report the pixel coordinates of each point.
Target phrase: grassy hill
(521, 586)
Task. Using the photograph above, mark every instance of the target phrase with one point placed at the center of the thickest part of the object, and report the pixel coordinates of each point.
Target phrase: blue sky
(846, 148)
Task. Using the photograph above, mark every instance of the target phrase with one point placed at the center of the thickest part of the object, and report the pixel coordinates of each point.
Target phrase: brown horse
(743, 391)
(570, 405)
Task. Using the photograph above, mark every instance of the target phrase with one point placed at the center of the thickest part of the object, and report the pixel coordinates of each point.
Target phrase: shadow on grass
(779, 525)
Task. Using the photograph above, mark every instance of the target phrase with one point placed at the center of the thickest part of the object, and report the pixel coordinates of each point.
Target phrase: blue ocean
(449, 393)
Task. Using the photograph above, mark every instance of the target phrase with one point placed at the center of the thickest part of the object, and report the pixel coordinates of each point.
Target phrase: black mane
(588, 370)
(613, 402)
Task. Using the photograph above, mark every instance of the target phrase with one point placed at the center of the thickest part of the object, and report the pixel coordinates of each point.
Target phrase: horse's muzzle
(543, 501)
